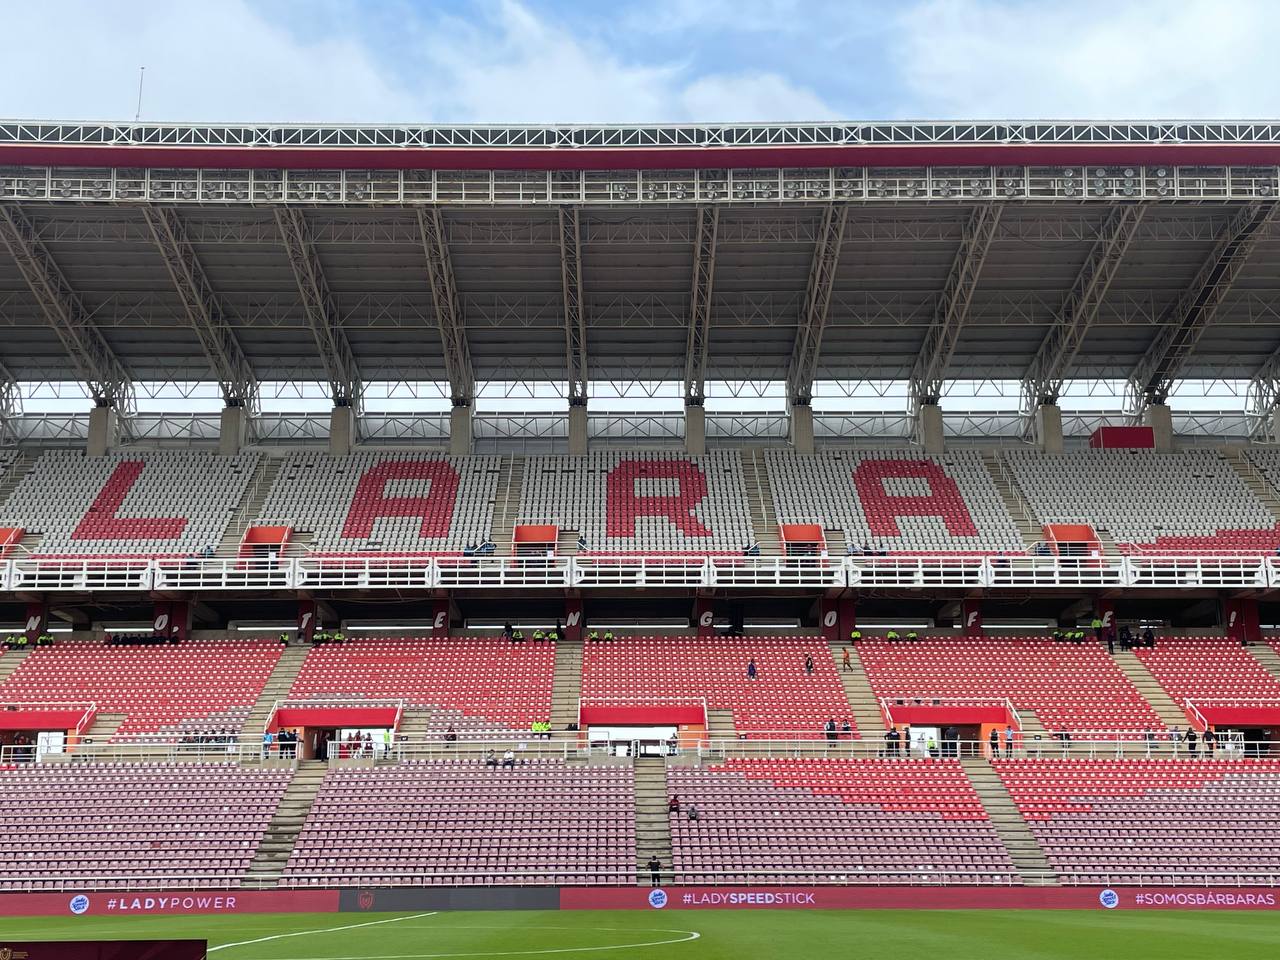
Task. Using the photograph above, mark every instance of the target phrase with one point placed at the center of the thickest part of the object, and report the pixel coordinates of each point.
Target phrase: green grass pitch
(720, 935)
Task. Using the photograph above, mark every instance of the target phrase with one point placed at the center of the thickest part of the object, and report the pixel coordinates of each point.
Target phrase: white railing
(53, 574)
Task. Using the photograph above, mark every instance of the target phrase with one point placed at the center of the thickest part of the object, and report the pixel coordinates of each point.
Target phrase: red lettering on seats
(102, 523)
(371, 502)
(625, 505)
(882, 508)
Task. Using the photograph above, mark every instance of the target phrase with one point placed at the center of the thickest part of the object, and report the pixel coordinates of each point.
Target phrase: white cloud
(79, 60)
(515, 67)
(1092, 59)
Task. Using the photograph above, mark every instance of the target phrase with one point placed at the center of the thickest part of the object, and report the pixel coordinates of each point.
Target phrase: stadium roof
(1022, 251)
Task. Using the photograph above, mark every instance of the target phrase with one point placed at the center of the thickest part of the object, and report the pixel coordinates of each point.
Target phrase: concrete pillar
(1160, 419)
(578, 429)
(802, 428)
(102, 431)
(1049, 428)
(573, 619)
(460, 431)
(232, 430)
(695, 430)
(931, 428)
(342, 431)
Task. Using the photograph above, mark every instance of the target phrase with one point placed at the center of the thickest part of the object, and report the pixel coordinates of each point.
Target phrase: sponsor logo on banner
(365, 900)
(657, 899)
(79, 904)
(1196, 898)
(1109, 899)
(711, 898)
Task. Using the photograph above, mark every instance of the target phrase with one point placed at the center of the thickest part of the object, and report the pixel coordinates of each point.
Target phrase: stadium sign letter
(102, 522)
(883, 509)
(371, 502)
(626, 504)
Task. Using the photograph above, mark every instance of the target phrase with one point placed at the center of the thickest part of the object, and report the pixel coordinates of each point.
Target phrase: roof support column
(575, 328)
(10, 405)
(695, 363)
(91, 356)
(930, 370)
(808, 343)
(453, 335)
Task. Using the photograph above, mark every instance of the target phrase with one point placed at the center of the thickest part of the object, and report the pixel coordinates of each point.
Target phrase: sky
(626, 61)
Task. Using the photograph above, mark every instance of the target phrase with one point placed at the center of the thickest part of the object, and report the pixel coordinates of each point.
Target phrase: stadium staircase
(104, 726)
(764, 522)
(250, 508)
(1262, 652)
(566, 688)
(653, 826)
(276, 688)
(857, 689)
(1253, 479)
(1032, 727)
(282, 833)
(506, 507)
(1015, 504)
(10, 662)
(1170, 714)
(1032, 865)
(720, 725)
(17, 471)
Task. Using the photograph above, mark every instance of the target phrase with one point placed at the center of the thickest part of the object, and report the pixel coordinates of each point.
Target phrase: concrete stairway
(1253, 479)
(653, 829)
(10, 661)
(764, 522)
(1264, 654)
(1029, 860)
(1032, 727)
(1014, 502)
(250, 508)
(276, 688)
(20, 467)
(104, 727)
(863, 705)
(282, 833)
(566, 689)
(1170, 714)
(506, 506)
(721, 726)
(414, 725)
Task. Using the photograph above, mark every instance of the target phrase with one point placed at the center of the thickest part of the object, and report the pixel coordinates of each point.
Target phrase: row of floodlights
(1098, 181)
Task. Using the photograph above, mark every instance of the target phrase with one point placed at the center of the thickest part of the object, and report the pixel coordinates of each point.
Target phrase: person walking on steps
(655, 871)
(846, 662)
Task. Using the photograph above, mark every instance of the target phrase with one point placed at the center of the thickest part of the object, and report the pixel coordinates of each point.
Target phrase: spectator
(509, 760)
(830, 727)
(655, 871)
(846, 662)
(847, 729)
(808, 665)
(1149, 736)
(751, 669)
(1210, 741)
(693, 811)
(490, 758)
(906, 740)
(1008, 742)
(1192, 741)
(673, 805)
(1148, 638)
(386, 743)
(451, 737)
(932, 747)
(995, 744)
(1175, 738)
(267, 739)
(1111, 642)
(507, 631)
(673, 746)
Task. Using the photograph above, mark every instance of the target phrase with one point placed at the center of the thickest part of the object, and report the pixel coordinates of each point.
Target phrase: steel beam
(91, 356)
(704, 268)
(575, 320)
(930, 370)
(10, 405)
(817, 301)
(1184, 323)
(204, 310)
(345, 384)
(448, 307)
(1048, 368)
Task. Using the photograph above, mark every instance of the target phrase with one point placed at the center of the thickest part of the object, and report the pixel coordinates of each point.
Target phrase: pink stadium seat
(118, 825)
(1207, 670)
(845, 821)
(462, 822)
(1152, 821)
